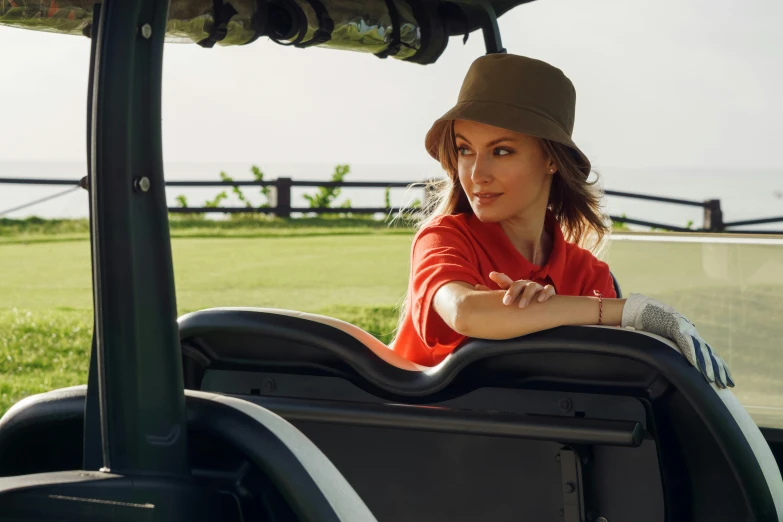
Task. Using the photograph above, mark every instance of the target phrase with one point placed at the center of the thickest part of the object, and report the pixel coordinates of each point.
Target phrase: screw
(601, 519)
(570, 488)
(141, 184)
(268, 385)
(557, 457)
(565, 405)
(146, 31)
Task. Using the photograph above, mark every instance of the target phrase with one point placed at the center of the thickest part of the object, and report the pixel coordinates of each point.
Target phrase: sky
(660, 83)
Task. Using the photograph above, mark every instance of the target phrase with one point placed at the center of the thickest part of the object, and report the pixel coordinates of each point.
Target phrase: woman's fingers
(647, 314)
(546, 293)
(710, 363)
(523, 290)
(514, 291)
(530, 290)
(501, 279)
(703, 357)
(721, 369)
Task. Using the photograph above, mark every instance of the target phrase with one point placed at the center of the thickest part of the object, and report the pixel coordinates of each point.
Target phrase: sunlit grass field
(350, 270)
(356, 271)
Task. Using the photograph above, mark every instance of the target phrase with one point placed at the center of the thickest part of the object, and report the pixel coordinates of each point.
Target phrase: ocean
(744, 194)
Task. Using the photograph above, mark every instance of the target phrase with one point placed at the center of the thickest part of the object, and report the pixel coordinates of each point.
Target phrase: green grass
(355, 270)
(307, 273)
(41, 351)
(189, 222)
(37, 230)
(357, 275)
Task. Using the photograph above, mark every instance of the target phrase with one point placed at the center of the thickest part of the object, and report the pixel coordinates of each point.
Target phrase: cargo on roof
(411, 30)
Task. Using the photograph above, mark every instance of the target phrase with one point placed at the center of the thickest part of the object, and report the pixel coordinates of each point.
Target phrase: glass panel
(731, 288)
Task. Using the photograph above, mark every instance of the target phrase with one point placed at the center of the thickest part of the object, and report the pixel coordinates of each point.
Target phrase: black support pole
(139, 371)
(92, 455)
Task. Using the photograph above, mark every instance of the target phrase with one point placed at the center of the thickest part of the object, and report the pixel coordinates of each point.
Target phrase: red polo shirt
(463, 248)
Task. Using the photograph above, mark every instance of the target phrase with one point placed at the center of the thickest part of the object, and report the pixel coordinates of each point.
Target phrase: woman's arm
(482, 314)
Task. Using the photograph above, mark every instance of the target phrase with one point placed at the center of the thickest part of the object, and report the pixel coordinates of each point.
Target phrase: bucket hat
(515, 93)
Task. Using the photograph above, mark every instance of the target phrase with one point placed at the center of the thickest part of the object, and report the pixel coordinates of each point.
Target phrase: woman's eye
(463, 151)
(502, 152)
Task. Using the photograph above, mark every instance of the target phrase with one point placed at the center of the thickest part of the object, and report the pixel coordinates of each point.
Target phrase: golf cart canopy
(411, 30)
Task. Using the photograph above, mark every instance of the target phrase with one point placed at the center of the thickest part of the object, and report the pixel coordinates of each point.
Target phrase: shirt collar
(555, 265)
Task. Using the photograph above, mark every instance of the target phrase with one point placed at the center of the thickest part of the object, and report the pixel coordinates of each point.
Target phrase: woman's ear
(549, 161)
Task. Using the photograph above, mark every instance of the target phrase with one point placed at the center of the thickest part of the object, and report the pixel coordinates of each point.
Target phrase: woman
(504, 253)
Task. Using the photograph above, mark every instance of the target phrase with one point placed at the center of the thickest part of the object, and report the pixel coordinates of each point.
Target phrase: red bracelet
(600, 306)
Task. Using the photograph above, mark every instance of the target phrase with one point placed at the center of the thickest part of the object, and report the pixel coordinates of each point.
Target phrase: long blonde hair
(573, 199)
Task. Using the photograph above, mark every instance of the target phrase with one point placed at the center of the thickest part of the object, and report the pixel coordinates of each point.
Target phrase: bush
(325, 196)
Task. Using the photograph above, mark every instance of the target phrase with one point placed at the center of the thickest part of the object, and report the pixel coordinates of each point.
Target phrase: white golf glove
(649, 315)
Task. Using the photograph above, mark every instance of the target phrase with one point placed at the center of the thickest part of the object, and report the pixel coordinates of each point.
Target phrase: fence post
(283, 197)
(713, 216)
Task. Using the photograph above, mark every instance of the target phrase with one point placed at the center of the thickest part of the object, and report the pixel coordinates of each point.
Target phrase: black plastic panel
(431, 477)
(522, 401)
(575, 372)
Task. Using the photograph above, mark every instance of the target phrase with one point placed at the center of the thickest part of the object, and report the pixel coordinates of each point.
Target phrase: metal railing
(282, 207)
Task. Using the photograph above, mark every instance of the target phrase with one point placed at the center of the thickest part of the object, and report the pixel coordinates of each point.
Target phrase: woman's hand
(648, 315)
(523, 289)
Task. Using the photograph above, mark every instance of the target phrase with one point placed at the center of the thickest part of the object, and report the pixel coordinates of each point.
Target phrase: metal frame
(138, 371)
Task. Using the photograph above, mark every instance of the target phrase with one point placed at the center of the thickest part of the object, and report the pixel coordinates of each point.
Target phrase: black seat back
(571, 424)
(616, 284)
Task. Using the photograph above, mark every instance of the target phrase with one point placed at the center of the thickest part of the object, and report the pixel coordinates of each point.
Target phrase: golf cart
(274, 415)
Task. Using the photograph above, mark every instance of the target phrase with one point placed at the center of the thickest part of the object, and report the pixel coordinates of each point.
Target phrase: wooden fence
(281, 202)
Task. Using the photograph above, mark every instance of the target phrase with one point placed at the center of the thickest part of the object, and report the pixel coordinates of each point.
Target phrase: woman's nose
(481, 174)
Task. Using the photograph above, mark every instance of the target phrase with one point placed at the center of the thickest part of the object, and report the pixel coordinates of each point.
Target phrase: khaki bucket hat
(516, 93)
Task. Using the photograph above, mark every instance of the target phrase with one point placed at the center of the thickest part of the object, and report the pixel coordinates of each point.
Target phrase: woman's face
(504, 174)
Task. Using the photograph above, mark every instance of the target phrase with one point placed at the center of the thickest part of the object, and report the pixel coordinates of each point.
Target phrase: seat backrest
(592, 421)
(242, 449)
(616, 284)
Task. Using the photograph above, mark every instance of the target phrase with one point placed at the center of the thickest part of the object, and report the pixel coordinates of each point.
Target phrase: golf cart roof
(410, 30)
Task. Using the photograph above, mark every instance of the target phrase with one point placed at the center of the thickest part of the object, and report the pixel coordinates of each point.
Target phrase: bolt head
(146, 31)
(565, 405)
(142, 184)
(569, 487)
(268, 385)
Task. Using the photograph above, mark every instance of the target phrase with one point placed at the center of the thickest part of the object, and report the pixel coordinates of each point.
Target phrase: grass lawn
(354, 273)
(307, 273)
(357, 271)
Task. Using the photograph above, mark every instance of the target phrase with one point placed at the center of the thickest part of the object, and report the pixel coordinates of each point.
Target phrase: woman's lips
(486, 198)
